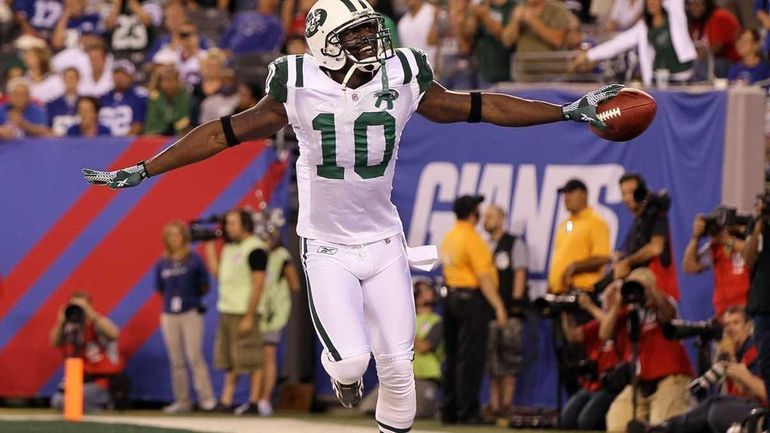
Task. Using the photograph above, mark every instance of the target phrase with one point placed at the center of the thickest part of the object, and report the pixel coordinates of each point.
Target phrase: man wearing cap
(582, 243)
(123, 107)
(471, 280)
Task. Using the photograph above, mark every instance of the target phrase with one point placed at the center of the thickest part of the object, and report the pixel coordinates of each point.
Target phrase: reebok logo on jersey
(327, 250)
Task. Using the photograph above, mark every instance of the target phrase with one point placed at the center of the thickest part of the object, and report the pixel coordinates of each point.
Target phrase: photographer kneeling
(81, 332)
(586, 410)
(744, 390)
(663, 370)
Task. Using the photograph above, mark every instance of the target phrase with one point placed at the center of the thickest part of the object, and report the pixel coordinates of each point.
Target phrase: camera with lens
(657, 202)
(722, 217)
(553, 305)
(632, 293)
(75, 314)
(700, 386)
(679, 329)
(208, 228)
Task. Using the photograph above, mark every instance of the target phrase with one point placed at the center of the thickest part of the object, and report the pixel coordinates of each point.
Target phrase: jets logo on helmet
(314, 19)
(338, 31)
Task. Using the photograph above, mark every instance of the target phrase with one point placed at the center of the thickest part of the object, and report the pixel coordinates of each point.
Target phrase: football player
(348, 102)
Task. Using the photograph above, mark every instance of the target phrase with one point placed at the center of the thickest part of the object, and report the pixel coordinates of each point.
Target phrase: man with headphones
(240, 269)
(648, 243)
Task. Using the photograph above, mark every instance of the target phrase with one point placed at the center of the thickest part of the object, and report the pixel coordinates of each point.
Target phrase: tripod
(634, 333)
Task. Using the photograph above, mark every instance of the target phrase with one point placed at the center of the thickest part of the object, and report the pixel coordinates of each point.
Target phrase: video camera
(552, 305)
(656, 203)
(75, 314)
(679, 329)
(724, 216)
(632, 293)
(208, 228)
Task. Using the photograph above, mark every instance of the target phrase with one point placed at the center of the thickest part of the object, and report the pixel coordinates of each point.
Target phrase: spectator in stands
(471, 280)
(581, 245)
(539, 26)
(293, 15)
(385, 9)
(99, 79)
(484, 25)
(745, 390)
(724, 253)
(297, 44)
(212, 73)
(416, 28)
(74, 21)
(648, 242)
(174, 16)
(123, 108)
(714, 30)
(504, 351)
(182, 279)
(455, 68)
(744, 11)
(131, 26)
(44, 84)
(88, 119)
(663, 370)
(62, 111)
(168, 110)
(762, 11)
(752, 67)
(281, 279)
(587, 408)
(223, 102)
(248, 96)
(187, 56)
(19, 117)
(82, 332)
(623, 15)
(254, 32)
(661, 40)
(38, 17)
(240, 269)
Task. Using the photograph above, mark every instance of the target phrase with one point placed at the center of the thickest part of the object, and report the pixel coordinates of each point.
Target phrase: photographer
(81, 332)
(663, 370)
(586, 409)
(745, 390)
(648, 241)
(240, 269)
(724, 253)
(756, 252)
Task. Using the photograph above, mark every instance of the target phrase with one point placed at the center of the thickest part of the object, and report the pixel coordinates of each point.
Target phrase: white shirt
(189, 69)
(47, 90)
(625, 13)
(78, 59)
(413, 30)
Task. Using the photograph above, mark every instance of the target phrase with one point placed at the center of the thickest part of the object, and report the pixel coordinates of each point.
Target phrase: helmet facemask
(365, 41)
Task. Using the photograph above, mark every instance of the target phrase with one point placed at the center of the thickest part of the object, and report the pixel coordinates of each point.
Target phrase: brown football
(626, 115)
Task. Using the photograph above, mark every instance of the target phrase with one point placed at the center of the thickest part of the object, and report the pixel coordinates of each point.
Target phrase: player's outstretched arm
(262, 120)
(444, 106)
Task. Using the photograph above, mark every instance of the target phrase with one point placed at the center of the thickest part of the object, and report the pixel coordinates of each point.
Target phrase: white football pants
(361, 302)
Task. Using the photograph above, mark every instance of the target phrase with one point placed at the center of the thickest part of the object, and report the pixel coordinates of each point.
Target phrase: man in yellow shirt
(582, 244)
(471, 280)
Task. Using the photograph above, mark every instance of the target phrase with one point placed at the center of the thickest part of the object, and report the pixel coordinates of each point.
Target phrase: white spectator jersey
(348, 143)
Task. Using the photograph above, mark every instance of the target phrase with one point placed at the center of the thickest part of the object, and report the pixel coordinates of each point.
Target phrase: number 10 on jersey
(324, 123)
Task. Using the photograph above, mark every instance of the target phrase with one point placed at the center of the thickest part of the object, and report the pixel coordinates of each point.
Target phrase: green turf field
(80, 427)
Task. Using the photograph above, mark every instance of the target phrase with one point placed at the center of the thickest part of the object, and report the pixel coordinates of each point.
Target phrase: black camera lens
(74, 314)
(632, 292)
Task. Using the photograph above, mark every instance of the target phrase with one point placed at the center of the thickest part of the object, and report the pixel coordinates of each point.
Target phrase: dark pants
(713, 415)
(762, 338)
(466, 318)
(586, 410)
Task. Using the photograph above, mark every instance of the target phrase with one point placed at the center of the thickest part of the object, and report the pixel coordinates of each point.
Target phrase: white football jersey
(348, 143)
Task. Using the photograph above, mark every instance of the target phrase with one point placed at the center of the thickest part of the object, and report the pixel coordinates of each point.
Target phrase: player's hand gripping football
(123, 178)
(584, 109)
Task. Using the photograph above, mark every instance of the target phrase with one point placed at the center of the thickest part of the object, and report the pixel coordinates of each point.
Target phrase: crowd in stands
(125, 54)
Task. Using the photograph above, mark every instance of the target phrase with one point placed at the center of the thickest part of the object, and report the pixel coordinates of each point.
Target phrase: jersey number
(324, 123)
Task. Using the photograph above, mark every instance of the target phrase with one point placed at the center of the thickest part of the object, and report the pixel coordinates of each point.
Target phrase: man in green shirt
(484, 25)
(539, 26)
(168, 110)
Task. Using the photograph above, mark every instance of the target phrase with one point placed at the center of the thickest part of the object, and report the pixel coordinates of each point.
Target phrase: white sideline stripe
(225, 424)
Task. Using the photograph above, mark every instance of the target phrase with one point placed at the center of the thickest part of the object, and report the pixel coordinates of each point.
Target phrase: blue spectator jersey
(252, 32)
(62, 114)
(74, 130)
(740, 72)
(763, 5)
(32, 114)
(119, 110)
(41, 14)
(181, 283)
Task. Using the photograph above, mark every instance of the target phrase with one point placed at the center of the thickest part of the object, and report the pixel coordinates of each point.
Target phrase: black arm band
(227, 128)
(474, 116)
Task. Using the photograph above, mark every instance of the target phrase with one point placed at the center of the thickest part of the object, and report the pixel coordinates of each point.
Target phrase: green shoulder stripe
(424, 71)
(277, 76)
(299, 64)
(405, 65)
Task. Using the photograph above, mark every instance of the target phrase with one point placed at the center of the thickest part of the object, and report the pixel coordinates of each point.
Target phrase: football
(626, 115)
